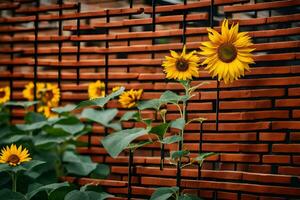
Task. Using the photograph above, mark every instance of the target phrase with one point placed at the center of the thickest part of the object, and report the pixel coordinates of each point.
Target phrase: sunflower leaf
(64, 109)
(24, 104)
(100, 102)
(116, 142)
(164, 193)
(102, 117)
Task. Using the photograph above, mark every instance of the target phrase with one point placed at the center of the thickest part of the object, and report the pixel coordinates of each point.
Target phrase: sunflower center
(99, 91)
(13, 158)
(2, 94)
(182, 65)
(49, 95)
(227, 52)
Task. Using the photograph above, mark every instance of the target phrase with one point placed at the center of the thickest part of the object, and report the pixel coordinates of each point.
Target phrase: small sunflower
(4, 94)
(228, 54)
(181, 67)
(13, 155)
(129, 98)
(46, 110)
(50, 95)
(115, 88)
(96, 90)
(28, 92)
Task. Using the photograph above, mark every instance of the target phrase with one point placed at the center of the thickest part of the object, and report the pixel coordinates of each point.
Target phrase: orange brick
(286, 148)
(272, 136)
(286, 125)
(276, 159)
(232, 105)
(295, 136)
(240, 158)
(287, 102)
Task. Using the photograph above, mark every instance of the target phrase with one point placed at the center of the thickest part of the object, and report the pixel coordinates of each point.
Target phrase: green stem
(14, 181)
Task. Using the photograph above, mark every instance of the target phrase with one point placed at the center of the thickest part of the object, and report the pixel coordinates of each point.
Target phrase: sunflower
(28, 92)
(181, 67)
(50, 95)
(4, 94)
(96, 90)
(13, 155)
(228, 54)
(115, 88)
(46, 110)
(129, 98)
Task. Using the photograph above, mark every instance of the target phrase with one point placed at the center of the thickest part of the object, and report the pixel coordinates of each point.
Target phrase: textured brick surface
(258, 139)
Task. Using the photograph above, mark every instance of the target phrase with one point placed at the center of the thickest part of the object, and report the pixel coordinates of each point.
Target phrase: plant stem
(14, 181)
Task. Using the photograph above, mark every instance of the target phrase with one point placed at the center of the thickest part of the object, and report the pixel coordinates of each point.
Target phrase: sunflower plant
(53, 141)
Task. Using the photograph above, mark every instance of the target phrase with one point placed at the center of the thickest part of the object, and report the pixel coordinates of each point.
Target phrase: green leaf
(189, 197)
(77, 195)
(80, 168)
(149, 104)
(32, 117)
(98, 196)
(131, 115)
(164, 193)
(31, 127)
(116, 142)
(100, 102)
(48, 188)
(138, 144)
(202, 156)
(178, 124)
(175, 155)
(22, 167)
(160, 130)
(77, 164)
(64, 109)
(171, 97)
(46, 141)
(115, 125)
(7, 194)
(60, 193)
(70, 128)
(102, 171)
(24, 104)
(171, 139)
(102, 117)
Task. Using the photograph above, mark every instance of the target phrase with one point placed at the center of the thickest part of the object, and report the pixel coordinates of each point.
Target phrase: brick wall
(259, 127)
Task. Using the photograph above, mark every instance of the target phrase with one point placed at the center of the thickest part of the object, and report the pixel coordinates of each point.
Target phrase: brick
(289, 170)
(227, 195)
(285, 125)
(287, 102)
(253, 147)
(296, 160)
(294, 91)
(232, 105)
(295, 136)
(236, 137)
(296, 113)
(259, 168)
(240, 158)
(266, 178)
(276, 159)
(243, 94)
(286, 148)
(272, 136)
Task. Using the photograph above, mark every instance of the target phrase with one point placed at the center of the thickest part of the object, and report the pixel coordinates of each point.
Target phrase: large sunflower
(13, 155)
(228, 54)
(181, 66)
(28, 92)
(4, 94)
(96, 90)
(50, 95)
(130, 98)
